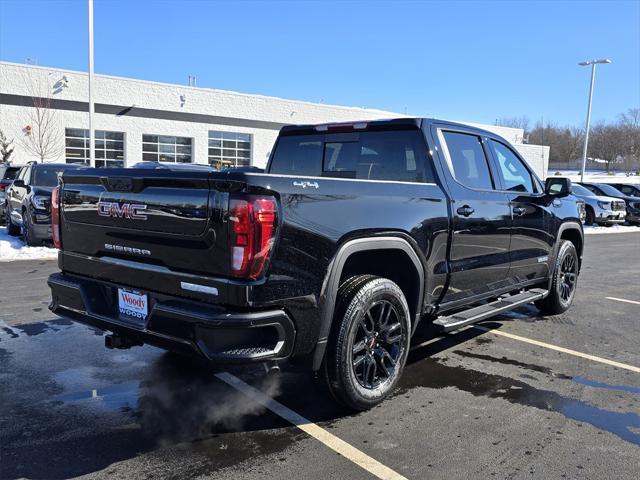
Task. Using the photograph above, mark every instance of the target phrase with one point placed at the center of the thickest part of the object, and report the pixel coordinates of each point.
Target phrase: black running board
(482, 312)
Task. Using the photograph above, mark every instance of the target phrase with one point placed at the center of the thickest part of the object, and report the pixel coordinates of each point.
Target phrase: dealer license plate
(133, 306)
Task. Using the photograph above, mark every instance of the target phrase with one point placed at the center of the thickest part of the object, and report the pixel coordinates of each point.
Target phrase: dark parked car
(355, 234)
(629, 189)
(632, 203)
(28, 201)
(7, 173)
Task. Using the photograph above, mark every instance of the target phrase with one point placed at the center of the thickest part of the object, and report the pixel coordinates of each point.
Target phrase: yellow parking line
(575, 353)
(623, 300)
(336, 444)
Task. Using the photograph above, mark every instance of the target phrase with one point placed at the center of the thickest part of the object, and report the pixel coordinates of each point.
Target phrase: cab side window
(468, 162)
(514, 174)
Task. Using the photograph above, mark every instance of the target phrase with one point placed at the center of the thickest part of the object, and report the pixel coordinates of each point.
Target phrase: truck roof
(381, 124)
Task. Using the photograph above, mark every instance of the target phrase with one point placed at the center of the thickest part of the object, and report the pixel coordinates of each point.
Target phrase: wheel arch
(348, 259)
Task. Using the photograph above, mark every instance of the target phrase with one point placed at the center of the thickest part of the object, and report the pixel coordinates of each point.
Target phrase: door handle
(519, 211)
(465, 210)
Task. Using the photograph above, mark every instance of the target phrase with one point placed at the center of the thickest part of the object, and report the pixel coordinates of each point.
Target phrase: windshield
(609, 190)
(48, 176)
(581, 191)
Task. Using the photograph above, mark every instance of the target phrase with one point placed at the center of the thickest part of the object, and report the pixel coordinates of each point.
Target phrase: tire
(591, 216)
(564, 283)
(369, 342)
(11, 228)
(27, 231)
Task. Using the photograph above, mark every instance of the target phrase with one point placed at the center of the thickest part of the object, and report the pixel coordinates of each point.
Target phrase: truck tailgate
(174, 220)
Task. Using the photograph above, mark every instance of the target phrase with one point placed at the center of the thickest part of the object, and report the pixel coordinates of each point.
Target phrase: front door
(532, 234)
(481, 216)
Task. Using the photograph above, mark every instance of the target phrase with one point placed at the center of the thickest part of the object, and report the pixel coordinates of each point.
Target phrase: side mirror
(18, 183)
(557, 186)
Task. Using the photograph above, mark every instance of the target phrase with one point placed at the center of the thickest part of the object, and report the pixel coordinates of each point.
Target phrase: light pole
(92, 158)
(593, 64)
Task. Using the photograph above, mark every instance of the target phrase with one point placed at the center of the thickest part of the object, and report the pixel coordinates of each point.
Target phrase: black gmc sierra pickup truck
(353, 235)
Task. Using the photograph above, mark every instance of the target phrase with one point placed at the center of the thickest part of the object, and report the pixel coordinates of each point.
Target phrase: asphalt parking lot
(482, 403)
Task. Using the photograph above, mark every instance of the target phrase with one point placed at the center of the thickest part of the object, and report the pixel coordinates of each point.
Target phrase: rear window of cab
(393, 155)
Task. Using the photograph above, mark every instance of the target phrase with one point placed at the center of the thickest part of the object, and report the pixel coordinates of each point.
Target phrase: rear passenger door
(532, 230)
(481, 217)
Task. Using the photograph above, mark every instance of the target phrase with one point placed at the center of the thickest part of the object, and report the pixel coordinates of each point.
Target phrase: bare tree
(514, 122)
(5, 148)
(42, 136)
(629, 124)
(564, 142)
(607, 143)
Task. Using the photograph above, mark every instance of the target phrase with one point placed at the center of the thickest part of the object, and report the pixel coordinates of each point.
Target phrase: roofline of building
(203, 89)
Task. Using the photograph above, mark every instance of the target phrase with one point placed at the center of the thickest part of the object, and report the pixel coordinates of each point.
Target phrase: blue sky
(474, 61)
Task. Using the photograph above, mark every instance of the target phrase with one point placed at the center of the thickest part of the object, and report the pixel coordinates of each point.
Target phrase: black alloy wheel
(369, 341)
(564, 279)
(377, 345)
(568, 277)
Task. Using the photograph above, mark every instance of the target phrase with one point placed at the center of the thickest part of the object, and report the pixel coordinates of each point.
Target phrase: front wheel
(564, 283)
(591, 217)
(369, 342)
(27, 231)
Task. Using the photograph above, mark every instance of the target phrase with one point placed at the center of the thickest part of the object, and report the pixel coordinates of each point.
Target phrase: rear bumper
(214, 333)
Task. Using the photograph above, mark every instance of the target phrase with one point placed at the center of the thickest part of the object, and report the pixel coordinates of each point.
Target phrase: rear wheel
(369, 343)
(11, 228)
(565, 280)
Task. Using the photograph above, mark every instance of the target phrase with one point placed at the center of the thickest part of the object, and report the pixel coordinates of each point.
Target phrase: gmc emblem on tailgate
(131, 211)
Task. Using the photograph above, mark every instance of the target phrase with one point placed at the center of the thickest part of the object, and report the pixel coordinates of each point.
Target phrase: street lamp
(593, 64)
(92, 155)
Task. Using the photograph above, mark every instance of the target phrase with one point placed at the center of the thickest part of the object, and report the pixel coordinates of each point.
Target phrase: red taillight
(3, 187)
(252, 233)
(55, 217)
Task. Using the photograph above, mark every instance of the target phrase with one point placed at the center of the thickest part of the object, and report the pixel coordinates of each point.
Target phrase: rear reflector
(252, 234)
(55, 217)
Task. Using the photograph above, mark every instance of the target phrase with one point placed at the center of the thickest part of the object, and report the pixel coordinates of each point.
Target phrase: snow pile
(593, 229)
(13, 248)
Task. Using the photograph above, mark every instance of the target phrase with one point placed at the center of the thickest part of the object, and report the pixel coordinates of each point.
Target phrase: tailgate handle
(118, 184)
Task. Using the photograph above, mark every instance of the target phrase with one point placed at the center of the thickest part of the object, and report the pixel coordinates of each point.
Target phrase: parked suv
(28, 201)
(355, 235)
(632, 203)
(600, 209)
(7, 173)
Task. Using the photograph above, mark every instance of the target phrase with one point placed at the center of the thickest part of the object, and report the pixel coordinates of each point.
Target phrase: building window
(163, 148)
(227, 149)
(109, 147)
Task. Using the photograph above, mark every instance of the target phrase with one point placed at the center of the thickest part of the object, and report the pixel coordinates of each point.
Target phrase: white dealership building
(139, 120)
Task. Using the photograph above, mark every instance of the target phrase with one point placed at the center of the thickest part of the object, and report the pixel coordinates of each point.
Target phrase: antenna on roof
(192, 80)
